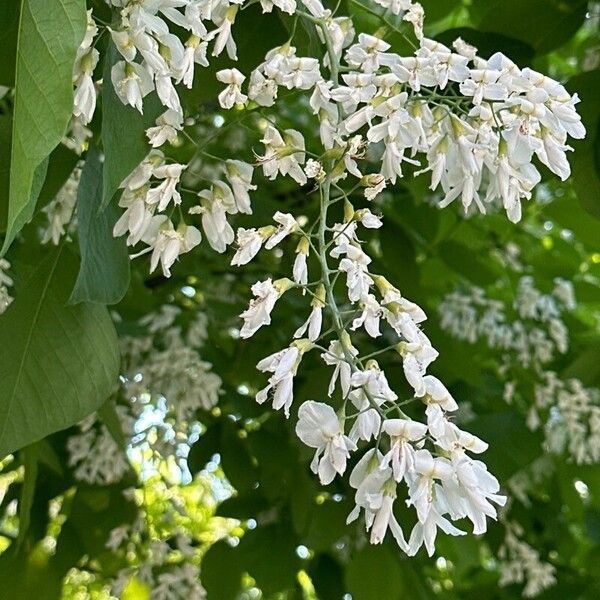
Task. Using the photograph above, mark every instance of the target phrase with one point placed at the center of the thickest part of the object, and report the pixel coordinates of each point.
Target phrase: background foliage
(256, 521)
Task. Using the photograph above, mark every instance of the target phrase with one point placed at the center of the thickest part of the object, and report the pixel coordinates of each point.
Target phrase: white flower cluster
(177, 372)
(169, 573)
(572, 417)
(520, 563)
(533, 337)
(84, 99)
(478, 144)
(95, 455)
(59, 211)
(475, 124)
(443, 482)
(6, 282)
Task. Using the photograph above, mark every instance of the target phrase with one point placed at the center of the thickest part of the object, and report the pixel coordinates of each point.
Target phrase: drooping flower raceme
(473, 126)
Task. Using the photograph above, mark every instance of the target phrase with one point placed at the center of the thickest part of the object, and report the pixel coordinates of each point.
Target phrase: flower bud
(283, 285)
(349, 214)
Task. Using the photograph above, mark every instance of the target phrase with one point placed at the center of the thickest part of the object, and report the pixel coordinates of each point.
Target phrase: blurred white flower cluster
(94, 452)
(167, 570)
(172, 383)
(531, 337)
(176, 372)
(520, 563)
(571, 412)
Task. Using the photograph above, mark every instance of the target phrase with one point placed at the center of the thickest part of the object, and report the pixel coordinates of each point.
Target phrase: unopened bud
(303, 246)
(267, 231)
(320, 294)
(283, 285)
(349, 214)
(303, 345)
(371, 180)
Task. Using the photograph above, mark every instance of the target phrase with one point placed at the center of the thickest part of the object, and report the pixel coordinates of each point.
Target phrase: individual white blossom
(318, 427)
(232, 94)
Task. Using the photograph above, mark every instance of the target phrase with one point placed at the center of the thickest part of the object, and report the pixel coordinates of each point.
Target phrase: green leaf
(61, 163)
(104, 271)
(208, 444)
(221, 572)
(59, 363)
(9, 26)
(374, 573)
(30, 463)
(236, 460)
(123, 131)
(586, 178)
(512, 445)
(5, 136)
(489, 43)
(544, 24)
(278, 573)
(49, 35)
(109, 417)
(327, 576)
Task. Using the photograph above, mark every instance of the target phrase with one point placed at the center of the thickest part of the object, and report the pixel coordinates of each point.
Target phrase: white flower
(314, 170)
(232, 94)
(335, 355)
(223, 36)
(300, 269)
(283, 154)
(239, 175)
(372, 390)
(167, 126)
(167, 190)
(365, 54)
(288, 6)
(358, 280)
(168, 243)
(131, 82)
(137, 217)
(287, 225)
(470, 492)
(318, 427)
(249, 242)
(84, 100)
(375, 494)
(370, 316)
(425, 532)
(167, 93)
(283, 365)
(303, 73)
(195, 52)
(436, 393)
(258, 312)
(427, 468)
(261, 89)
(313, 323)
(401, 453)
(214, 206)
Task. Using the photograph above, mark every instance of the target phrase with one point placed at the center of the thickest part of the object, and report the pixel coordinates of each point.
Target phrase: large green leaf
(9, 26)
(5, 134)
(58, 363)
(104, 271)
(543, 24)
(374, 573)
(123, 131)
(586, 178)
(49, 35)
